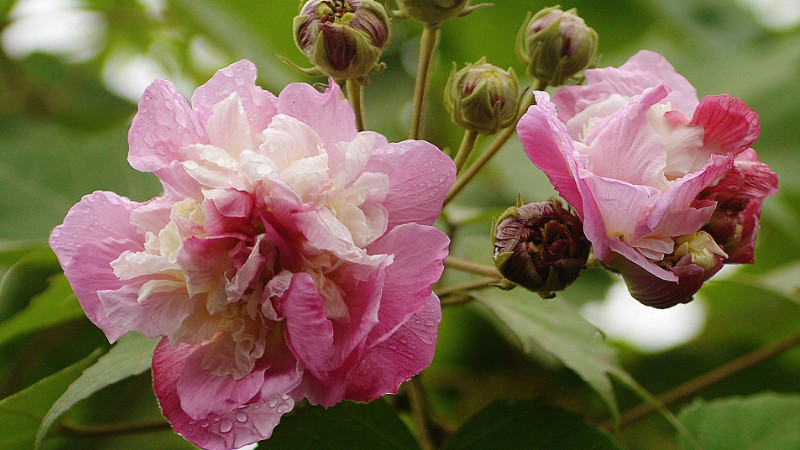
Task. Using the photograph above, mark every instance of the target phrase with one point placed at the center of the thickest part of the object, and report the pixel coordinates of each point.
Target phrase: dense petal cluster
(289, 257)
(667, 186)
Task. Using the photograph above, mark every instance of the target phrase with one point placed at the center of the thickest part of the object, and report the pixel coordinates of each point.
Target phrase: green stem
(467, 145)
(116, 429)
(420, 412)
(355, 93)
(427, 50)
(692, 387)
(495, 146)
(479, 283)
(470, 266)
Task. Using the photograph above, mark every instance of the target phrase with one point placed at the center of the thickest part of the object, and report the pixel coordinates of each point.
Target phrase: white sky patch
(777, 15)
(60, 27)
(128, 73)
(650, 330)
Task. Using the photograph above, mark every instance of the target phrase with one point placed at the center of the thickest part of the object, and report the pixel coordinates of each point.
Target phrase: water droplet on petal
(241, 416)
(226, 425)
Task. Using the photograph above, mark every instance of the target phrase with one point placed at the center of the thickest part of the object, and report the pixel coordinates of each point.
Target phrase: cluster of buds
(435, 11)
(481, 97)
(556, 45)
(540, 246)
(344, 39)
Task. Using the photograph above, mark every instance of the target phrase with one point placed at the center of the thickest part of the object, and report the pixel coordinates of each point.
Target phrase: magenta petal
(202, 393)
(242, 426)
(419, 177)
(549, 146)
(404, 354)
(240, 77)
(658, 293)
(419, 252)
(728, 122)
(164, 124)
(309, 333)
(329, 114)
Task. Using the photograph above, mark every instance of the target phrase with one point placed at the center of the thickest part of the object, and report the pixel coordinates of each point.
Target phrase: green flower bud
(540, 246)
(343, 38)
(482, 97)
(435, 11)
(556, 45)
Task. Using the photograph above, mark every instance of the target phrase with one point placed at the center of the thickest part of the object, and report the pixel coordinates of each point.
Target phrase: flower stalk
(355, 93)
(427, 51)
(467, 145)
(495, 146)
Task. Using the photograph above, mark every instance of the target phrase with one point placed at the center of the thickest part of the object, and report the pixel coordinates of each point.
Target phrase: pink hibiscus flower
(666, 200)
(290, 256)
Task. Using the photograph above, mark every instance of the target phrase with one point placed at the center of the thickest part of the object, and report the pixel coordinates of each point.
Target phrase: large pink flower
(290, 256)
(666, 200)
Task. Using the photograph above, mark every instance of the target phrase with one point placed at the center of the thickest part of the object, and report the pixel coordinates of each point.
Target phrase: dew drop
(241, 417)
(226, 425)
(273, 402)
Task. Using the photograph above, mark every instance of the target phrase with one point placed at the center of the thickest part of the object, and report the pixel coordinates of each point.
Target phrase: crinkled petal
(729, 124)
(329, 114)
(155, 308)
(625, 148)
(419, 177)
(240, 77)
(309, 333)
(164, 125)
(419, 252)
(402, 355)
(242, 426)
(549, 146)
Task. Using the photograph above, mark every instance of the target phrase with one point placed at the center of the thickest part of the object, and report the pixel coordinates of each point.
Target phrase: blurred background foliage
(65, 107)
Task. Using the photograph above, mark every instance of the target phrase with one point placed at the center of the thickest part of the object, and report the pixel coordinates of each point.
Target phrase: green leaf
(131, 356)
(527, 424)
(372, 426)
(556, 327)
(766, 421)
(21, 413)
(57, 304)
(26, 278)
(46, 168)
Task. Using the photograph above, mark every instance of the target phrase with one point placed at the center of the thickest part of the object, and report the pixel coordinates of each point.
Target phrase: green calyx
(556, 45)
(435, 11)
(482, 97)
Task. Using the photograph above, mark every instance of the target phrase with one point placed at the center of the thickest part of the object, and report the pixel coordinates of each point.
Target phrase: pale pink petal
(240, 77)
(418, 253)
(154, 308)
(625, 148)
(401, 356)
(94, 233)
(288, 139)
(204, 261)
(228, 210)
(673, 214)
(98, 216)
(644, 70)
(244, 425)
(622, 205)
(729, 124)
(164, 125)
(329, 114)
(549, 146)
(419, 177)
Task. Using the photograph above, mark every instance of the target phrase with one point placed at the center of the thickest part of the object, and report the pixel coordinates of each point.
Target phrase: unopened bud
(434, 11)
(482, 97)
(344, 39)
(556, 45)
(540, 246)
